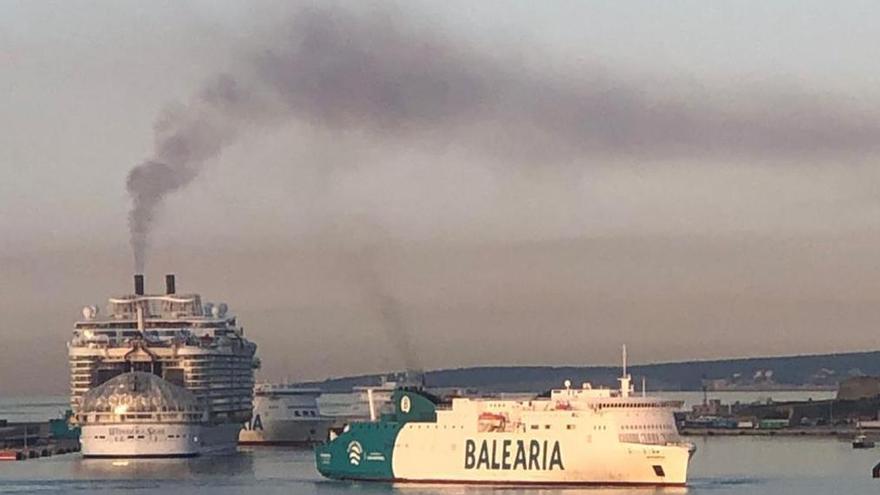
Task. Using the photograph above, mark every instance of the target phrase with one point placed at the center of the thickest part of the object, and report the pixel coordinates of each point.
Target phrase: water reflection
(722, 466)
(339, 488)
(232, 465)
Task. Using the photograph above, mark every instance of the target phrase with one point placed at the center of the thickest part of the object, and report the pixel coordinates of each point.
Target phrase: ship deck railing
(139, 417)
(125, 342)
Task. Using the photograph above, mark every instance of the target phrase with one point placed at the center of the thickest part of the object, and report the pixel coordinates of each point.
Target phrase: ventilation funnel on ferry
(139, 284)
(169, 284)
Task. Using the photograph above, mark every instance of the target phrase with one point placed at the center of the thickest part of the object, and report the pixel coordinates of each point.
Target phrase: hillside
(747, 373)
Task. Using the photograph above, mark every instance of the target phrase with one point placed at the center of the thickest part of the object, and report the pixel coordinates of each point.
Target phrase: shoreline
(836, 431)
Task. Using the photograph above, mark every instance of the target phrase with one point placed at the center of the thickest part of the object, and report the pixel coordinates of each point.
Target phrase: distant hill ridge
(823, 370)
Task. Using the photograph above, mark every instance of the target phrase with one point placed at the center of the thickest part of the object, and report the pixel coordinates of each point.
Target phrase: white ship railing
(139, 417)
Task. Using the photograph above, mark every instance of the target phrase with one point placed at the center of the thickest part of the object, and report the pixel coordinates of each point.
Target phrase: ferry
(285, 415)
(160, 376)
(576, 436)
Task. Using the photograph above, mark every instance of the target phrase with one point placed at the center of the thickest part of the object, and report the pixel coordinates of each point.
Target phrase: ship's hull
(431, 454)
(157, 439)
(303, 431)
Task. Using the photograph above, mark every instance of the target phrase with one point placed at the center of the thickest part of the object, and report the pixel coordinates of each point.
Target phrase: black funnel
(139, 284)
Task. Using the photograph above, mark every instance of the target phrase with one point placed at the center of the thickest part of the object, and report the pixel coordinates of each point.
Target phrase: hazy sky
(521, 182)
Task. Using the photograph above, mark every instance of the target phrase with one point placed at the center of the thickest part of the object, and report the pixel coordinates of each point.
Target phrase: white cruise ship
(285, 415)
(160, 376)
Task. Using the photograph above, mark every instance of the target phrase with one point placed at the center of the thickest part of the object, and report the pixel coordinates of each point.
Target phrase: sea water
(721, 466)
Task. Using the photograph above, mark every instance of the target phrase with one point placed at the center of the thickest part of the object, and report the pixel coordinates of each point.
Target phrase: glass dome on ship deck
(138, 392)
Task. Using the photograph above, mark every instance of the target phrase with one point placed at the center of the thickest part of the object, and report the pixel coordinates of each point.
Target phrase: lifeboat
(563, 406)
(491, 421)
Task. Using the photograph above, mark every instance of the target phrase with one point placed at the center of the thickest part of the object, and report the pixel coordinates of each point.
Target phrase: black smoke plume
(380, 75)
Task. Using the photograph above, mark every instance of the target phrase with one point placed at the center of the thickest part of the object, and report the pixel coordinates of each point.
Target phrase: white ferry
(160, 376)
(285, 415)
(576, 436)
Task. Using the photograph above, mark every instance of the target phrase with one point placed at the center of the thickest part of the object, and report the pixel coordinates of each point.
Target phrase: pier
(846, 431)
(32, 440)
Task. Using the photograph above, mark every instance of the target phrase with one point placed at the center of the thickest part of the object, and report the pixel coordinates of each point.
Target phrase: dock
(33, 440)
(814, 431)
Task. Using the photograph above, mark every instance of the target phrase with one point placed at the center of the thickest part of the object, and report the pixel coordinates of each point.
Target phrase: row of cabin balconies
(85, 378)
(79, 362)
(183, 352)
(88, 418)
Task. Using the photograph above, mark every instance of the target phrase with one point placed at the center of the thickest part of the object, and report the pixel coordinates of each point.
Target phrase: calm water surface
(722, 465)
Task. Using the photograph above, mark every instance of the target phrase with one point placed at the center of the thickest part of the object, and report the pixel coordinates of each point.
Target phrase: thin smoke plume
(378, 74)
(388, 307)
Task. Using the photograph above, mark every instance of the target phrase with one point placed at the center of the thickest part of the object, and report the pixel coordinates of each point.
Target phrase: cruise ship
(576, 436)
(285, 415)
(160, 376)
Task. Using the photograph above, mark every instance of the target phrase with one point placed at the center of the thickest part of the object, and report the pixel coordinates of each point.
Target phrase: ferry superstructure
(160, 375)
(576, 436)
(375, 400)
(285, 415)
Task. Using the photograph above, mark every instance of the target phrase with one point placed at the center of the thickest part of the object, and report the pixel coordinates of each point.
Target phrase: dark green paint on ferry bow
(366, 449)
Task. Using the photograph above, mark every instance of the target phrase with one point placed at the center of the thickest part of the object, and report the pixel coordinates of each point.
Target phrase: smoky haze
(378, 295)
(698, 180)
(377, 74)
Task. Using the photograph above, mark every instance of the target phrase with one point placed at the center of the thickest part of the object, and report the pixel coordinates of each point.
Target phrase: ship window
(546, 427)
(535, 427)
(569, 427)
(296, 413)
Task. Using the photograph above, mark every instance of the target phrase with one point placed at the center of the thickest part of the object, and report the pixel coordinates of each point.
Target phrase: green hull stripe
(366, 450)
(363, 452)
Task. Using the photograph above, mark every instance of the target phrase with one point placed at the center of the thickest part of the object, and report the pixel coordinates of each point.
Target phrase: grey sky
(684, 255)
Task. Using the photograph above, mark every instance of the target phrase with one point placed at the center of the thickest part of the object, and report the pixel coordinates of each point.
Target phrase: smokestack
(169, 284)
(139, 284)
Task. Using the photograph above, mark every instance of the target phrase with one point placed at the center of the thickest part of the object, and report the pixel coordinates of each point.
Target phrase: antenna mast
(625, 379)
